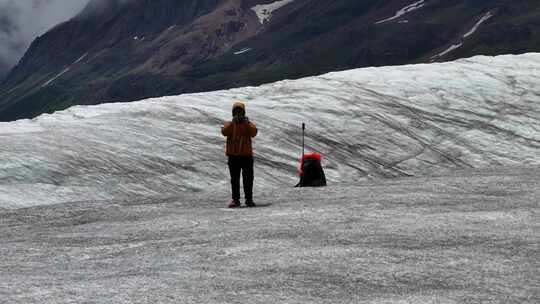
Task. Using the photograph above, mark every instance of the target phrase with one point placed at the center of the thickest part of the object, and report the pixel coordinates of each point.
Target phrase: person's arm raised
(226, 130)
(252, 129)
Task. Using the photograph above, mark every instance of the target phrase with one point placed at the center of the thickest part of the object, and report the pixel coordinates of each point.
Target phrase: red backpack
(310, 171)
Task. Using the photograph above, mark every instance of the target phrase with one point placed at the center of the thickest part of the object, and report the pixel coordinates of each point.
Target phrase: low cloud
(21, 21)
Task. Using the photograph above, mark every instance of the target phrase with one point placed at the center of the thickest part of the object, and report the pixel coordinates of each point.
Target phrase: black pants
(244, 164)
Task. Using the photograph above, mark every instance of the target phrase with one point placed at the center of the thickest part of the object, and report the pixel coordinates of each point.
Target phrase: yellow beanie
(239, 104)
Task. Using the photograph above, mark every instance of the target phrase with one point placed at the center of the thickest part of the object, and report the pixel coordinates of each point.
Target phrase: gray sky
(23, 20)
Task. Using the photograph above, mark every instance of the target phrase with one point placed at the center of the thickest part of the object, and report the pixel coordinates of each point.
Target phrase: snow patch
(407, 9)
(453, 47)
(56, 77)
(264, 11)
(242, 51)
(81, 58)
(448, 50)
(48, 82)
(477, 25)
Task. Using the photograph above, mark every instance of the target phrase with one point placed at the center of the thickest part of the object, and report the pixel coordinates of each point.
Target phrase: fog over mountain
(23, 20)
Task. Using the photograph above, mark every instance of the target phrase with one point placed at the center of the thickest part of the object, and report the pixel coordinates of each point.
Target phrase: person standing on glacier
(239, 151)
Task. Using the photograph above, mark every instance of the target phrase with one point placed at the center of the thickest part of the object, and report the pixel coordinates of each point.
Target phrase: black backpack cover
(311, 172)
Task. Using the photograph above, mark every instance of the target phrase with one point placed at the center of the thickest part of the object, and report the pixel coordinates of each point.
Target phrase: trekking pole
(303, 150)
(303, 131)
(302, 158)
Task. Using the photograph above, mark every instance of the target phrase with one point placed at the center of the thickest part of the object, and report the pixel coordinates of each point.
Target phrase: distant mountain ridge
(23, 20)
(126, 50)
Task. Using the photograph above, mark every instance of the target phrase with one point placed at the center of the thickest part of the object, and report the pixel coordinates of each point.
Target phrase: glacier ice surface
(368, 123)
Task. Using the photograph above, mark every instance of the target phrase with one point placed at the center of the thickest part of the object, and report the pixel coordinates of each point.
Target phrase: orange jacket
(239, 138)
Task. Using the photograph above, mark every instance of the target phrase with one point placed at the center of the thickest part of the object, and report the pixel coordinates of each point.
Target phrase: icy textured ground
(367, 123)
(466, 237)
(124, 201)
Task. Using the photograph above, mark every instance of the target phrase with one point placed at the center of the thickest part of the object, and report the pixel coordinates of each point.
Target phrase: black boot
(250, 203)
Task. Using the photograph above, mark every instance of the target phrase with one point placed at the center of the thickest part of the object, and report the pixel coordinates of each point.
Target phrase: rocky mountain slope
(127, 50)
(22, 21)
